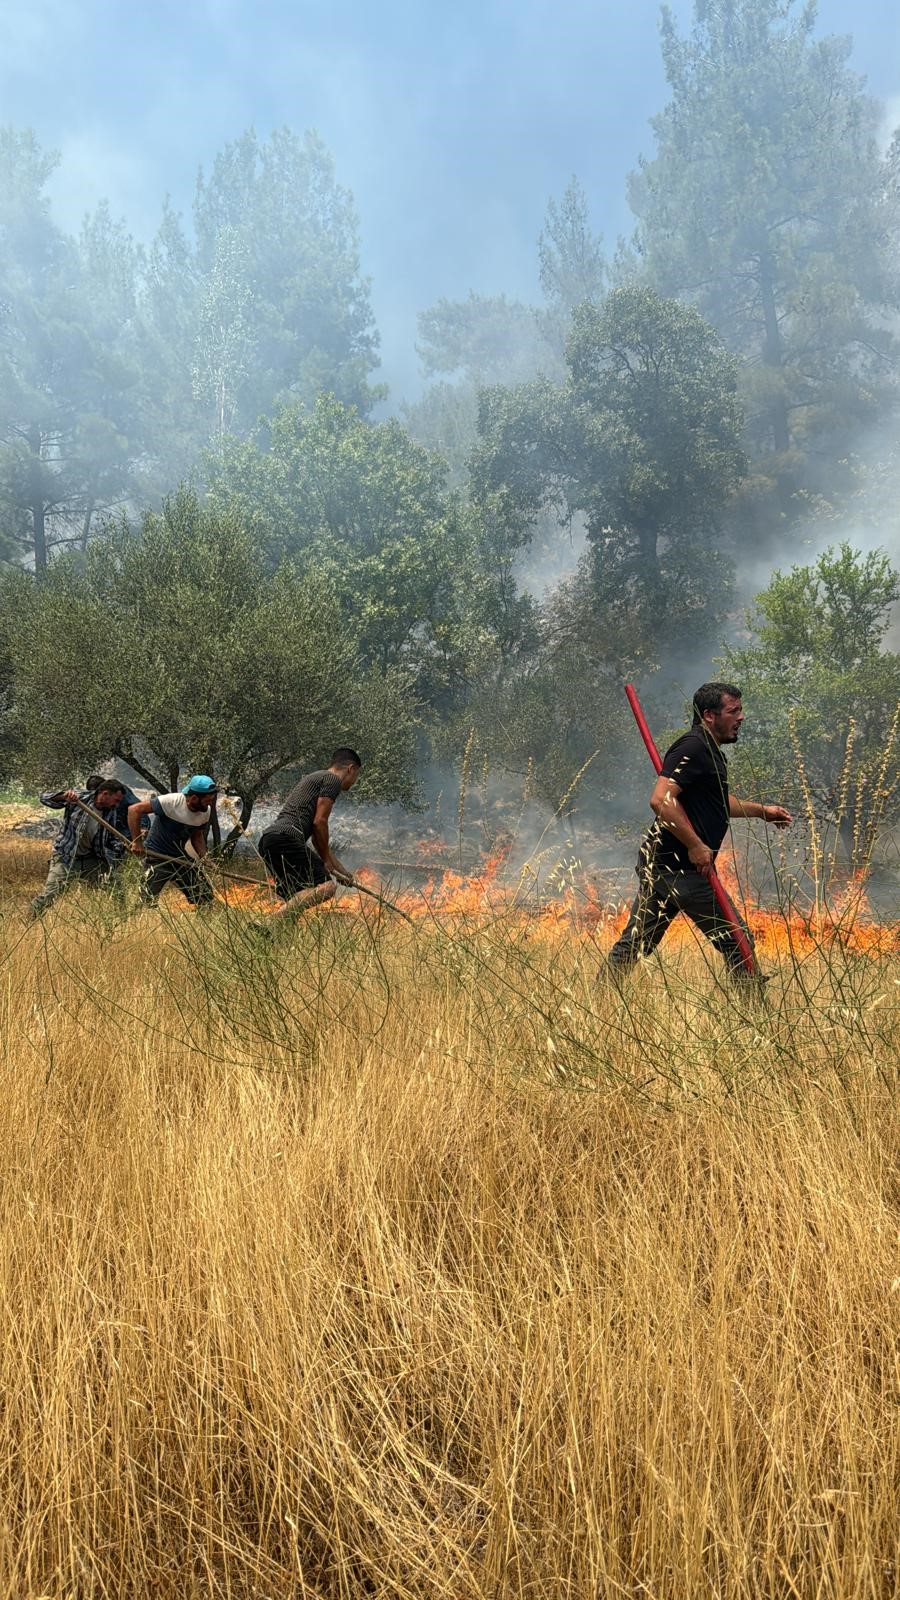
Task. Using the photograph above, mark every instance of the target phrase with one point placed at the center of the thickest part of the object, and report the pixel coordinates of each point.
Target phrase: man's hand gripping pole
(722, 900)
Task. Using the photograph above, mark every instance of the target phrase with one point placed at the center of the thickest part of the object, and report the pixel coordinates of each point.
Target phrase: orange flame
(581, 911)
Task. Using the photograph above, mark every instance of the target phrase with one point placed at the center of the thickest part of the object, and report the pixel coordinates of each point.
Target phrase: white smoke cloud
(94, 166)
(890, 121)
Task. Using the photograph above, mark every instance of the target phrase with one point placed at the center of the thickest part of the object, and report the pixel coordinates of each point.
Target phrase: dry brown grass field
(414, 1261)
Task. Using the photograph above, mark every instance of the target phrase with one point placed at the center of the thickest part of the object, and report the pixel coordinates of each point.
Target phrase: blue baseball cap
(200, 784)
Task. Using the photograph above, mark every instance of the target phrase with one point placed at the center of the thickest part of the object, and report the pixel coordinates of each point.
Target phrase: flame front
(582, 912)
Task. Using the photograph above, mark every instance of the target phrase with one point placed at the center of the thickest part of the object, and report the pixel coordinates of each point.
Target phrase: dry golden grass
(415, 1262)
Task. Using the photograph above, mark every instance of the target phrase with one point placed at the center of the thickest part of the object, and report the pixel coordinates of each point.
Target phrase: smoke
(890, 122)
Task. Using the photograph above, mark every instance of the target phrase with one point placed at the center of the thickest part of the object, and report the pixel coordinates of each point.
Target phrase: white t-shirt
(172, 823)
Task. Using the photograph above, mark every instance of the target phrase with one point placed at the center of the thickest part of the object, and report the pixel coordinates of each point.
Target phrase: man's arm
(671, 813)
(198, 841)
(143, 808)
(320, 840)
(57, 798)
(754, 808)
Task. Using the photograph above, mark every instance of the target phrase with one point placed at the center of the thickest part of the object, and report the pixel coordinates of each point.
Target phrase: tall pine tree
(768, 206)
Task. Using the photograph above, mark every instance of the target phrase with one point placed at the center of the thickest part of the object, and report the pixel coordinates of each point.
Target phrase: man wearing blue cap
(176, 842)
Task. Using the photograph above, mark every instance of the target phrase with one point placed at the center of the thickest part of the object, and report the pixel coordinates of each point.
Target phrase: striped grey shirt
(299, 809)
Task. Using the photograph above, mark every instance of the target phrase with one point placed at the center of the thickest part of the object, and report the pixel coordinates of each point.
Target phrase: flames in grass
(573, 904)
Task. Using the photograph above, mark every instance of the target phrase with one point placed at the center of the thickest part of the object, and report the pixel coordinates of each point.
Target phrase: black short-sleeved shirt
(299, 809)
(698, 766)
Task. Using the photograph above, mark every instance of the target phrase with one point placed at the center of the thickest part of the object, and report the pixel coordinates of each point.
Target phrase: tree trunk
(125, 753)
(86, 524)
(238, 830)
(37, 505)
(651, 577)
(773, 351)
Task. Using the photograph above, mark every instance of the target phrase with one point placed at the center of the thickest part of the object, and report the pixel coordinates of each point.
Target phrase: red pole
(722, 900)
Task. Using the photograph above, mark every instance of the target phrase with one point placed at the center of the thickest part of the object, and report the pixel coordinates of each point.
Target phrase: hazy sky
(452, 124)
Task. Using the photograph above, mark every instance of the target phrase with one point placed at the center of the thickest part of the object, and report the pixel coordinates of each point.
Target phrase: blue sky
(452, 125)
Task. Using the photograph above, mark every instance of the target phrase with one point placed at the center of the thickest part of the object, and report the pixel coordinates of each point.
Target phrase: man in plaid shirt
(83, 850)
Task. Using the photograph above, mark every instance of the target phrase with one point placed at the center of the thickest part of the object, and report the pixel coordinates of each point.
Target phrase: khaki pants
(84, 869)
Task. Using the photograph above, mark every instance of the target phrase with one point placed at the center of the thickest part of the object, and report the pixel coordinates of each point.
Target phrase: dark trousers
(291, 862)
(193, 883)
(661, 895)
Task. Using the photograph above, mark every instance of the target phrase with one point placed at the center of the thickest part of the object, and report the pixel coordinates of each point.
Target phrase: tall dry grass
(416, 1262)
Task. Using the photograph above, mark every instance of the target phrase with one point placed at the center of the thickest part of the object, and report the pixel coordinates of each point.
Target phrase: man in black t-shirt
(305, 877)
(693, 808)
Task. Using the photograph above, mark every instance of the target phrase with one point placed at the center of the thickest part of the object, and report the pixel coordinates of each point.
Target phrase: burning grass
(414, 1261)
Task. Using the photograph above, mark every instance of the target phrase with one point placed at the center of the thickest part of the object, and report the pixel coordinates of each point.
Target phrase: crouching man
(84, 850)
(305, 877)
(176, 842)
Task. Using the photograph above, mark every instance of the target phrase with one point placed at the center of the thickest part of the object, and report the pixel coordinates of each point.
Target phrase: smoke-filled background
(414, 377)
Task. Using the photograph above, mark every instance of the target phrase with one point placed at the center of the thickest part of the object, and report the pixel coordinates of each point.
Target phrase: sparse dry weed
(418, 1262)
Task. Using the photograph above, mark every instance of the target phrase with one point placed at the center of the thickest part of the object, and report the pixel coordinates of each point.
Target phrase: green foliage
(284, 310)
(71, 382)
(117, 370)
(642, 440)
(363, 506)
(572, 263)
(768, 206)
(556, 702)
(175, 648)
(817, 662)
(484, 339)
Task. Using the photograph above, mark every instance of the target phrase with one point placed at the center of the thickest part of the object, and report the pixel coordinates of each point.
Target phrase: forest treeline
(216, 553)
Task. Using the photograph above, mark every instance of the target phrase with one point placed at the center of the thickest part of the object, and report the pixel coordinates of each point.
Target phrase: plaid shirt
(73, 828)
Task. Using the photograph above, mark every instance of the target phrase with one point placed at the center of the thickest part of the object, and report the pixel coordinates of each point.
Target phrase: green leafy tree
(223, 343)
(173, 289)
(278, 256)
(71, 396)
(364, 506)
(175, 648)
(643, 441)
(572, 263)
(769, 207)
(552, 706)
(816, 664)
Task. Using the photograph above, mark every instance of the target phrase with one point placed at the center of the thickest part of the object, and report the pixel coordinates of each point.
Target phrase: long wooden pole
(154, 855)
(234, 877)
(715, 883)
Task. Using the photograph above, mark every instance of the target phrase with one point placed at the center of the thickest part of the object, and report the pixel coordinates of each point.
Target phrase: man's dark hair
(111, 785)
(343, 756)
(709, 697)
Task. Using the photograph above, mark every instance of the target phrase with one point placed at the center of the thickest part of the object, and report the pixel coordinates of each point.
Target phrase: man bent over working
(693, 808)
(177, 824)
(84, 851)
(304, 877)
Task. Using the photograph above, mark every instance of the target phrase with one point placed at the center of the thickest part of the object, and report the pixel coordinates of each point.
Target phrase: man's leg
(189, 878)
(695, 898)
(651, 914)
(156, 875)
(59, 876)
(93, 871)
(193, 883)
(300, 875)
(290, 863)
